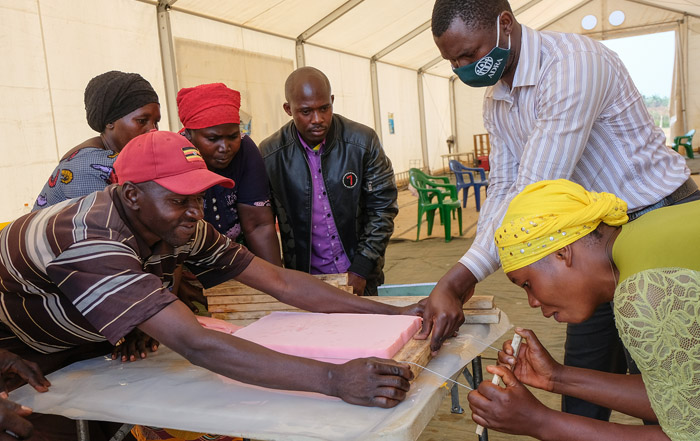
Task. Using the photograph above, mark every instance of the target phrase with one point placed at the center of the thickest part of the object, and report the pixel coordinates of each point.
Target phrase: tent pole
(319, 26)
(453, 113)
(301, 55)
(423, 128)
(374, 78)
(684, 70)
(167, 55)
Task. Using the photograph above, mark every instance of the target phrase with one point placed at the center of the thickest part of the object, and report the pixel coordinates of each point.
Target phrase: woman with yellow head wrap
(572, 250)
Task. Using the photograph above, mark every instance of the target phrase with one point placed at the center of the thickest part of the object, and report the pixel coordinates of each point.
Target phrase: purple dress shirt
(327, 254)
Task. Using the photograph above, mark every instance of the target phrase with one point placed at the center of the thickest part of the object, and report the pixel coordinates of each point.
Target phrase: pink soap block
(335, 338)
(218, 325)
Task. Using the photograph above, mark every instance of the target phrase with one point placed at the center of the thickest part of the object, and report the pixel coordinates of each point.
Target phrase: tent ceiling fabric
(372, 25)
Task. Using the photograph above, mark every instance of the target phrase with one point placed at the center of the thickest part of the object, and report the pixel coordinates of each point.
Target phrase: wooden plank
(415, 351)
(476, 302)
(233, 287)
(242, 307)
(233, 317)
(232, 300)
(339, 279)
(479, 317)
(471, 317)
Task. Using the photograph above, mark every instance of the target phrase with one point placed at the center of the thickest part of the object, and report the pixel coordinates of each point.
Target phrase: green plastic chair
(435, 193)
(685, 141)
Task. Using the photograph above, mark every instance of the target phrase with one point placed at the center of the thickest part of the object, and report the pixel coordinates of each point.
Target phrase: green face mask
(489, 69)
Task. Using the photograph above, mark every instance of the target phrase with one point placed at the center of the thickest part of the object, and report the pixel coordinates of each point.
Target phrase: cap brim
(194, 181)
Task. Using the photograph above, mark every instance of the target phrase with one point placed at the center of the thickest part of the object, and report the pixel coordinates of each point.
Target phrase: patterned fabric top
(657, 313)
(573, 112)
(75, 272)
(86, 170)
(252, 188)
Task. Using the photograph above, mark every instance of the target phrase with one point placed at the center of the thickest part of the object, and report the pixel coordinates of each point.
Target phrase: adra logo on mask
(484, 66)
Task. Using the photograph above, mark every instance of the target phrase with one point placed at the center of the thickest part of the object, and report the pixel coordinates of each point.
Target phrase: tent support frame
(167, 53)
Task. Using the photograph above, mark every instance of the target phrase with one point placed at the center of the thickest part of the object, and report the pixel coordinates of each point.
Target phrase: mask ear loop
(498, 32)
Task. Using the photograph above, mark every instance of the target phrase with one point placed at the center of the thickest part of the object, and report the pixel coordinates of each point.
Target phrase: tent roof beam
(665, 8)
(328, 19)
(526, 6)
(564, 14)
(401, 41)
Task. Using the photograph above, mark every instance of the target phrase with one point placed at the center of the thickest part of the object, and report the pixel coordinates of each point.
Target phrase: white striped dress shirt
(574, 113)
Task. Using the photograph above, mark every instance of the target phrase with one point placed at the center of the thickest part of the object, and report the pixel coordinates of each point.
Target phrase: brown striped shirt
(75, 273)
(573, 113)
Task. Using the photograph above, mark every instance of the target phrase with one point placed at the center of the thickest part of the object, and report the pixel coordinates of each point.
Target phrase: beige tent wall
(350, 82)
(470, 120)
(398, 94)
(254, 63)
(50, 52)
(437, 120)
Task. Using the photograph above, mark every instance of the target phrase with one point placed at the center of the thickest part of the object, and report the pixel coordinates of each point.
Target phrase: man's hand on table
(414, 309)
(443, 313)
(12, 420)
(358, 284)
(372, 382)
(15, 370)
(134, 346)
(188, 294)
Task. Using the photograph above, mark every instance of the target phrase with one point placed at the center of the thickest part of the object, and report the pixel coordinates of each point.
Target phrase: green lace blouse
(657, 311)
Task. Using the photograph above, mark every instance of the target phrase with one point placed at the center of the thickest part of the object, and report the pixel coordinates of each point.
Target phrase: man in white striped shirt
(560, 106)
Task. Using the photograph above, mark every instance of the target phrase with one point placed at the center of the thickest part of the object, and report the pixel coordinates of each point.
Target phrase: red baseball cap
(168, 159)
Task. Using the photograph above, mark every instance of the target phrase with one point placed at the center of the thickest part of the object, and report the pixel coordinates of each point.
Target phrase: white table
(165, 390)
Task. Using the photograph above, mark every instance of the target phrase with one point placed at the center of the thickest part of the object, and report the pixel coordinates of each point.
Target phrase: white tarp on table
(166, 390)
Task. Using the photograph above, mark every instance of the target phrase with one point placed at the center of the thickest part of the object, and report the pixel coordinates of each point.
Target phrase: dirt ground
(426, 260)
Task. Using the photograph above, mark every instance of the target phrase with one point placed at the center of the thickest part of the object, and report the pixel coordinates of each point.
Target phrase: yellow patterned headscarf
(549, 215)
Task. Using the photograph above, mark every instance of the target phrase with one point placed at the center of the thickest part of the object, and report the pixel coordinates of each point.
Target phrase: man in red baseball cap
(100, 266)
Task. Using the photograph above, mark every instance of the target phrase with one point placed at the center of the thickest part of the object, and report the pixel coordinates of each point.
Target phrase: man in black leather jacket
(333, 187)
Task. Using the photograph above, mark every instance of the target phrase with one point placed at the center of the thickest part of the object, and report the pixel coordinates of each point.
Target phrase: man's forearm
(458, 282)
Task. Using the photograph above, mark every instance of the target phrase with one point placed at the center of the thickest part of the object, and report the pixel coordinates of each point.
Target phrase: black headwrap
(115, 94)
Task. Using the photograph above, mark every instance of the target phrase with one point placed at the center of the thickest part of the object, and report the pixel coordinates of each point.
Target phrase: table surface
(166, 390)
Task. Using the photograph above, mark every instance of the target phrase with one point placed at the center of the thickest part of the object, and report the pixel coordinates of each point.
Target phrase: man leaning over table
(90, 270)
(558, 106)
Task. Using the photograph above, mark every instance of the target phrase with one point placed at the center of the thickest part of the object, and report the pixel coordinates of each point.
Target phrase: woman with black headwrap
(120, 106)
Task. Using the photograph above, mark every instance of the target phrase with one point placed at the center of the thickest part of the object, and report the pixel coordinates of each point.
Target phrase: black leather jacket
(364, 213)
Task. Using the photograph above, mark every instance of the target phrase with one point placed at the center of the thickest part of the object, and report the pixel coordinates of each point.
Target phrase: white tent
(379, 56)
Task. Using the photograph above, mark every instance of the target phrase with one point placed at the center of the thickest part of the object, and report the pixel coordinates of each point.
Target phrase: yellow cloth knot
(548, 215)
